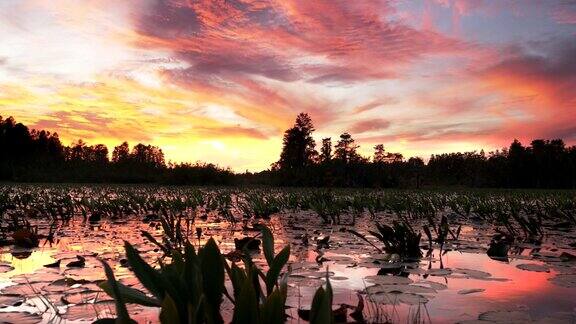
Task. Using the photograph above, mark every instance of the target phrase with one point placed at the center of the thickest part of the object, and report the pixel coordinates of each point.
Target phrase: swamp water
(459, 283)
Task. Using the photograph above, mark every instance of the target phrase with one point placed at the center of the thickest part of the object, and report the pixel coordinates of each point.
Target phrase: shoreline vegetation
(38, 156)
(269, 255)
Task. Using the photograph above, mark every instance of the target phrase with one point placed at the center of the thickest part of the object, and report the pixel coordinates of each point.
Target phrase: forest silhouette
(39, 156)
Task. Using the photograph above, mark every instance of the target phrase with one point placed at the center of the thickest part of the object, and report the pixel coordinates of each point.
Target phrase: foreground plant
(258, 205)
(191, 288)
(400, 239)
(327, 206)
(439, 233)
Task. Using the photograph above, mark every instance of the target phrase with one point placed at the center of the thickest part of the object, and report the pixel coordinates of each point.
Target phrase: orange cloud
(206, 78)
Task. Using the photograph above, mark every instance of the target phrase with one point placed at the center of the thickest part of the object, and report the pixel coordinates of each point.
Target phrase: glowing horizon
(219, 81)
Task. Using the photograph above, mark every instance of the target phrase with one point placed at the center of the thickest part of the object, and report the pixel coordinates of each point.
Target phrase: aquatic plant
(191, 288)
(460, 205)
(327, 206)
(500, 245)
(439, 233)
(258, 205)
(400, 239)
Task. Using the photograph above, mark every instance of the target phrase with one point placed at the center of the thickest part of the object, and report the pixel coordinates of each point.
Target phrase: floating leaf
(505, 317)
(169, 312)
(10, 300)
(121, 311)
(19, 317)
(470, 291)
(5, 268)
(130, 295)
(564, 280)
(389, 280)
(533, 267)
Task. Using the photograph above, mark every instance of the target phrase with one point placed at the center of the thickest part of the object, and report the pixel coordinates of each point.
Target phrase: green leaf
(428, 234)
(176, 285)
(148, 276)
(192, 275)
(246, 308)
(237, 277)
(329, 288)
(121, 311)
(272, 311)
(268, 245)
(129, 295)
(275, 268)
(169, 313)
(155, 242)
(178, 261)
(321, 310)
(212, 268)
(363, 237)
(105, 321)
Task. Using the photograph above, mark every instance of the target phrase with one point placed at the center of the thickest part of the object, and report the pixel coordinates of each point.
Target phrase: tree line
(39, 156)
(542, 164)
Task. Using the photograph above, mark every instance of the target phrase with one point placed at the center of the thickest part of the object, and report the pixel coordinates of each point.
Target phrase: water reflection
(24, 261)
(458, 285)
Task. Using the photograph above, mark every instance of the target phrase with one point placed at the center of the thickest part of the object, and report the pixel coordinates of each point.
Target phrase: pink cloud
(319, 41)
(369, 125)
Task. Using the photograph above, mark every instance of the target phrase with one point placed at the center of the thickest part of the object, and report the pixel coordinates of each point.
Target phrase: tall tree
(379, 153)
(121, 153)
(416, 166)
(326, 150)
(518, 165)
(299, 148)
(148, 155)
(346, 149)
(77, 152)
(99, 154)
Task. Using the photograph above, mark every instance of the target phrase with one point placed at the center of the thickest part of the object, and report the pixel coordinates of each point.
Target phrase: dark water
(461, 284)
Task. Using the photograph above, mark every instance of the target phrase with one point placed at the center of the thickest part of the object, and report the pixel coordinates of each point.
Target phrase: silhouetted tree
(517, 164)
(299, 148)
(416, 166)
(38, 155)
(393, 157)
(76, 152)
(379, 153)
(121, 153)
(99, 154)
(147, 156)
(345, 149)
(326, 150)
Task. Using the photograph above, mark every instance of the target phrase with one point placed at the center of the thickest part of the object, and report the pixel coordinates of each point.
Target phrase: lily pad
(432, 284)
(5, 268)
(37, 277)
(24, 289)
(10, 300)
(439, 272)
(505, 317)
(19, 317)
(389, 280)
(413, 289)
(564, 280)
(471, 291)
(398, 298)
(473, 274)
(316, 274)
(533, 267)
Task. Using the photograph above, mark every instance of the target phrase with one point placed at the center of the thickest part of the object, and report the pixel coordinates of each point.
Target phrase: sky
(220, 80)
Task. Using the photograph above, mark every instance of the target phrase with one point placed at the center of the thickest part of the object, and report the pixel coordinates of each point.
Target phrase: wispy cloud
(209, 80)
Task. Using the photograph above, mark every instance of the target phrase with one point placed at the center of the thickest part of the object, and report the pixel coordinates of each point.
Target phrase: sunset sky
(219, 81)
